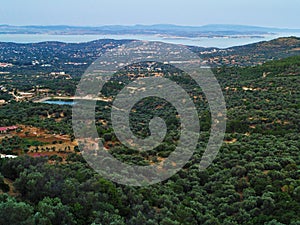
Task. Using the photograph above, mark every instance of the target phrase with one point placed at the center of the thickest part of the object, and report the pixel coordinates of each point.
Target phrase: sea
(218, 42)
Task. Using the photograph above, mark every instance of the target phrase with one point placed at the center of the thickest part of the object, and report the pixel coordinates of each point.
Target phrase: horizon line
(147, 25)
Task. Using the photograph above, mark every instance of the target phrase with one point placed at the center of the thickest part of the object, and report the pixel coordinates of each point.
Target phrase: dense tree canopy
(255, 178)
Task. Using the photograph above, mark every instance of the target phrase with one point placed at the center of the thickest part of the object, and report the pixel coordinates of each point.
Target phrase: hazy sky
(272, 13)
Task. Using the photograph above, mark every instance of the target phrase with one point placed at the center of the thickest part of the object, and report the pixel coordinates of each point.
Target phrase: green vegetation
(255, 178)
(14, 144)
(54, 118)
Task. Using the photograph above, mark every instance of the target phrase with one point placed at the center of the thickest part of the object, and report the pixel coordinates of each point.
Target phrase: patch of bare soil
(12, 192)
(230, 141)
(54, 144)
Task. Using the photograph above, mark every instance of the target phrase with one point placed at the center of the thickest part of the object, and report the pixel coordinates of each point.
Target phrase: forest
(255, 178)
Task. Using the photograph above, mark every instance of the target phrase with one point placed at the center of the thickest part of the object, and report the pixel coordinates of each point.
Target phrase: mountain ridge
(158, 29)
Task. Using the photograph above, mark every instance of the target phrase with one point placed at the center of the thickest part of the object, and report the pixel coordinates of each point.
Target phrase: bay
(219, 42)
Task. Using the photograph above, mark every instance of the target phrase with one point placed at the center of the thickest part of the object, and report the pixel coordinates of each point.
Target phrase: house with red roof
(4, 130)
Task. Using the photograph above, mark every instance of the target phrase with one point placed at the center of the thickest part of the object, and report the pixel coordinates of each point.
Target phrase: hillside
(253, 180)
(57, 53)
(252, 54)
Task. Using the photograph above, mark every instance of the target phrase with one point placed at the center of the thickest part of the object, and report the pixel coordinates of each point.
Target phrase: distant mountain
(244, 28)
(158, 29)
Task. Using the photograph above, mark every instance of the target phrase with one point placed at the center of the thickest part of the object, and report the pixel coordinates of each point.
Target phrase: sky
(269, 13)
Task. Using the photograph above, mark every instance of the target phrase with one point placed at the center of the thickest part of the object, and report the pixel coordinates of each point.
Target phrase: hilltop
(57, 54)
